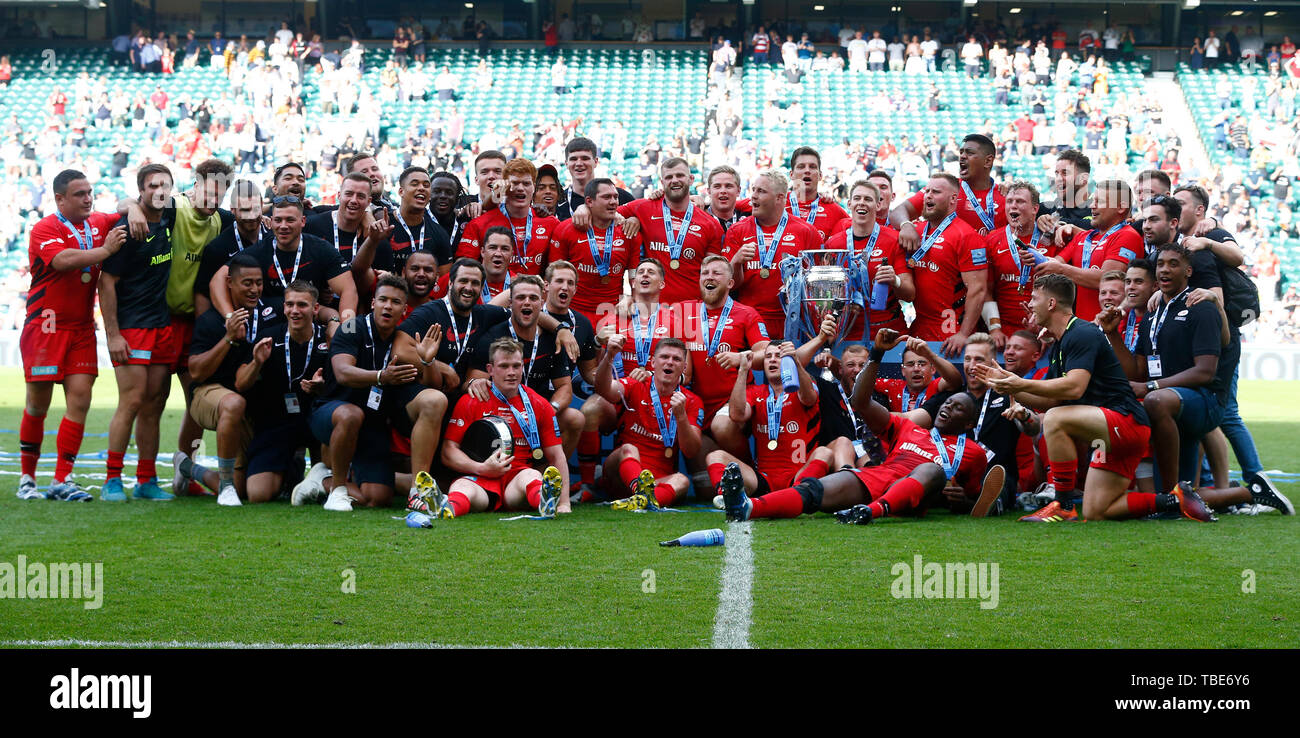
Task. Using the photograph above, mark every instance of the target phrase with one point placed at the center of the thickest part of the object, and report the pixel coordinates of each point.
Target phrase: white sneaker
(338, 500)
(228, 497)
(306, 491)
(318, 473)
(27, 489)
(180, 482)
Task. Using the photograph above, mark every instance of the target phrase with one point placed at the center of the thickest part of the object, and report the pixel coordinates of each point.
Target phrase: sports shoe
(734, 500)
(856, 515)
(68, 491)
(339, 501)
(180, 480)
(427, 497)
(112, 491)
(151, 491)
(1052, 512)
(989, 491)
(643, 494)
(27, 489)
(228, 497)
(719, 503)
(552, 484)
(1191, 504)
(1264, 492)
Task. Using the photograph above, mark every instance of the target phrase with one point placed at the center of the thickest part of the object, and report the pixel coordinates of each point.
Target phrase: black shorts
(393, 405)
(371, 462)
(275, 445)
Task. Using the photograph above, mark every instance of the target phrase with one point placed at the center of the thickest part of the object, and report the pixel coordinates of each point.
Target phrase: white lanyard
(1158, 321)
(462, 338)
(374, 346)
(288, 357)
(275, 256)
(415, 246)
(988, 394)
(537, 339)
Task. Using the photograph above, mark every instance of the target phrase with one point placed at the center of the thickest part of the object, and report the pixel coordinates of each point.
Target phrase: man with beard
(876, 247)
(415, 229)
(364, 392)
(445, 191)
(531, 235)
(290, 180)
(920, 383)
(1070, 184)
(950, 267)
(1010, 267)
(1108, 246)
(365, 163)
(601, 252)
(979, 204)
(342, 227)
(756, 245)
(581, 156)
(673, 232)
(420, 274)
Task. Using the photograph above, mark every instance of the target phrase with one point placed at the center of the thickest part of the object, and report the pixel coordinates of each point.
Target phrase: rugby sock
(196, 471)
(1062, 476)
(903, 495)
(628, 470)
(816, 469)
(114, 464)
(31, 430)
(534, 492)
(715, 473)
(1141, 504)
(145, 470)
(68, 443)
(783, 503)
(226, 471)
(665, 494)
(459, 503)
(588, 455)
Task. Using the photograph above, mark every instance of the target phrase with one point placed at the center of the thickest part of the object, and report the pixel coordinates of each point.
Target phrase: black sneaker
(732, 488)
(856, 515)
(1264, 492)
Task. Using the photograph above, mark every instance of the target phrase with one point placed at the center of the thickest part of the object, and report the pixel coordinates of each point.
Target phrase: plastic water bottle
(880, 296)
(1039, 258)
(711, 537)
(417, 519)
(789, 374)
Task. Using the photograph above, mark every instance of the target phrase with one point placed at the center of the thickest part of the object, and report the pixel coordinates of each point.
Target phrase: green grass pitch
(190, 572)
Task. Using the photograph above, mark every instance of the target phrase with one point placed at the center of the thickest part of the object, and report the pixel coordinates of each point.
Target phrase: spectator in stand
(1213, 50)
(896, 55)
(876, 49)
(759, 45)
(972, 55)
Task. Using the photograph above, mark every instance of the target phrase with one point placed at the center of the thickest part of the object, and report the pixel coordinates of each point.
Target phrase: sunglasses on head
(285, 199)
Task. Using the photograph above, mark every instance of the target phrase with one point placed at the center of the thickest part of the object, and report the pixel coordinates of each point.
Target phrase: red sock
(588, 455)
(628, 470)
(459, 502)
(534, 492)
(904, 495)
(783, 503)
(816, 469)
(715, 473)
(665, 494)
(115, 464)
(31, 430)
(145, 470)
(68, 443)
(1141, 504)
(1062, 476)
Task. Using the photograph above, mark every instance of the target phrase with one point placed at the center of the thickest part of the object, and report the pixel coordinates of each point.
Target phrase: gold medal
(604, 279)
(668, 452)
(537, 453)
(764, 272)
(771, 445)
(85, 277)
(674, 264)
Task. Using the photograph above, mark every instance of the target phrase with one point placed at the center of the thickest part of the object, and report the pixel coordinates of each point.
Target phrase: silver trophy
(822, 282)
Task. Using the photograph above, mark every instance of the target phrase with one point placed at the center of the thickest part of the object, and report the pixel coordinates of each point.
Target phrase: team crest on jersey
(541, 230)
(323, 346)
(934, 267)
(791, 427)
(266, 311)
(694, 228)
(458, 421)
(877, 252)
(661, 329)
(689, 253)
(788, 237)
(618, 242)
(724, 347)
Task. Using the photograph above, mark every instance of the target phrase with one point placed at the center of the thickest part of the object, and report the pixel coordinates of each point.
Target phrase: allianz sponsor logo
(77, 691)
(26, 580)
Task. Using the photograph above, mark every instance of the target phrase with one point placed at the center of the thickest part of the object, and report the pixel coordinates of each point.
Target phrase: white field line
(735, 598)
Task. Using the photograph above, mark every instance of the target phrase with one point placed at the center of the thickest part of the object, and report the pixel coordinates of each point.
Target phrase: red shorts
(877, 479)
(49, 357)
(148, 346)
(496, 488)
(398, 444)
(654, 460)
(182, 334)
(1128, 441)
(775, 479)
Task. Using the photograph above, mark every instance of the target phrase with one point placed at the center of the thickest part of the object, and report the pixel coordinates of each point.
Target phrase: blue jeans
(1243, 445)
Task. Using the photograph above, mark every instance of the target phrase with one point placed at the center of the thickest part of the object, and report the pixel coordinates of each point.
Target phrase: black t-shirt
(430, 237)
(583, 332)
(319, 263)
(322, 226)
(267, 399)
(572, 201)
(454, 350)
(1079, 216)
(837, 421)
(1084, 346)
(210, 330)
(736, 216)
(360, 338)
(1206, 266)
(550, 364)
(217, 254)
(996, 433)
(142, 269)
(1185, 333)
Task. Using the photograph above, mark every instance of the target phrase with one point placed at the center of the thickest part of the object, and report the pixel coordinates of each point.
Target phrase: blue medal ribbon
(929, 240)
(1015, 252)
(988, 210)
(1131, 324)
(712, 341)
(949, 467)
(765, 254)
(85, 240)
(1087, 242)
(907, 399)
(675, 240)
(667, 427)
(812, 209)
(643, 341)
(527, 420)
(521, 257)
(601, 256)
(774, 407)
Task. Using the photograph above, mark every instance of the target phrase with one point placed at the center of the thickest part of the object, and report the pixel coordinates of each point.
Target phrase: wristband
(379, 377)
(877, 354)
